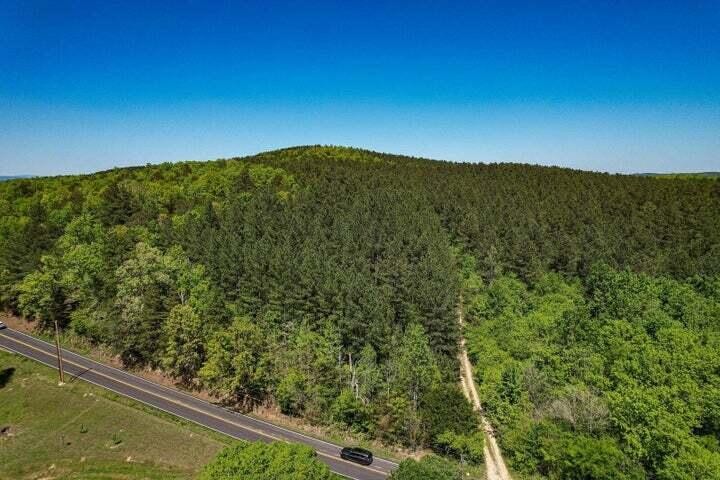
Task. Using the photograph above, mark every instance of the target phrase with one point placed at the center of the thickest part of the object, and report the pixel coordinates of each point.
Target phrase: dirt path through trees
(494, 463)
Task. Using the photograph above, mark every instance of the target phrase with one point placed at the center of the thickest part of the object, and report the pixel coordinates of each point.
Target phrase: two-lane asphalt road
(187, 406)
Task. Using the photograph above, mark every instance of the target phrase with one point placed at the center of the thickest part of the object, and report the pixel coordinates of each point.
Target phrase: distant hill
(712, 175)
(13, 177)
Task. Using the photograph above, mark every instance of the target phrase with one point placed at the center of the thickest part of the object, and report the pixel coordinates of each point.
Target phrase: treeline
(616, 376)
(325, 280)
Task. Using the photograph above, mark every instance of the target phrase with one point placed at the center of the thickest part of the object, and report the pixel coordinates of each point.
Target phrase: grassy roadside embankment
(80, 431)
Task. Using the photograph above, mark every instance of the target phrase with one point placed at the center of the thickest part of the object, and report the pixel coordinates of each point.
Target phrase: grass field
(78, 431)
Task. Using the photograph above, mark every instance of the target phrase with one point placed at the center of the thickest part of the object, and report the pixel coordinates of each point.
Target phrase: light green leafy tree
(184, 339)
(143, 288)
(39, 294)
(414, 373)
(309, 372)
(367, 374)
(430, 467)
(260, 461)
(415, 366)
(149, 285)
(467, 448)
(692, 462)
(348, 410)
(236, 363)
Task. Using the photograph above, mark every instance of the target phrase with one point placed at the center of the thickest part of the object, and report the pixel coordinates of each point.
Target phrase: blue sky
(611, 86)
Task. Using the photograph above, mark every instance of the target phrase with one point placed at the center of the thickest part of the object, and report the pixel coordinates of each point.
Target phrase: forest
(326, 281)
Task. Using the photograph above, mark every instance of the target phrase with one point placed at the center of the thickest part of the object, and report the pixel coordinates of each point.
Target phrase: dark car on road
(2, 325)
(357, 455)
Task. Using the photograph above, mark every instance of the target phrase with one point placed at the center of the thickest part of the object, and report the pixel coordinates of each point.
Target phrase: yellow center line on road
(189, 407)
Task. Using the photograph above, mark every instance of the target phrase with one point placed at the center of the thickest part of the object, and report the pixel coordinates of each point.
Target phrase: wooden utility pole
(59, 352)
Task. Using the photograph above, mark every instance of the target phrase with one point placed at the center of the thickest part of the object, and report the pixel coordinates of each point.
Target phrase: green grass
(79, 431)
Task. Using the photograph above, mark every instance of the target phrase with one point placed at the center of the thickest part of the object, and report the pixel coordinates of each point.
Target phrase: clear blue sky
(614, 86)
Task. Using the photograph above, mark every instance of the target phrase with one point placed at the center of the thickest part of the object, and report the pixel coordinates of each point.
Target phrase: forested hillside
(326, 280)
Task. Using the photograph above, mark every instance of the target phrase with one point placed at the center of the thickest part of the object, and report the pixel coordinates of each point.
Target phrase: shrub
(261, 461)
(350, 411)
(430, 467)
(466, 448)
(445, 409)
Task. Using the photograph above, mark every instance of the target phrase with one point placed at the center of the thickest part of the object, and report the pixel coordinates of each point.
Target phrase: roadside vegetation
(429, 468)
(79, 431)
(258, 461)
(325, 281)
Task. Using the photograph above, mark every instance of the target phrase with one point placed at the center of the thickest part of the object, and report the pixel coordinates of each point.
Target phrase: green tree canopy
(429, 468)
(260, 461)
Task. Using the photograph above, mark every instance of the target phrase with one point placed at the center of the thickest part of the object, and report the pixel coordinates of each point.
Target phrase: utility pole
(59, 352)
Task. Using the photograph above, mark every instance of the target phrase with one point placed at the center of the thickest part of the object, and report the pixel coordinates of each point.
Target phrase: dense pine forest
(326, 281)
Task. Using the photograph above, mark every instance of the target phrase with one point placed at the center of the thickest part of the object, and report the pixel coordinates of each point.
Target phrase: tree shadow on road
(5, 376)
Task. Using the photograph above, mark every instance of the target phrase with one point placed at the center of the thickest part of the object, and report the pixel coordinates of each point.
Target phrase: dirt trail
(494, 463)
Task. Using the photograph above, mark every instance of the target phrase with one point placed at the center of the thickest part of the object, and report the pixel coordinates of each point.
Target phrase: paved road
(186, 406)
